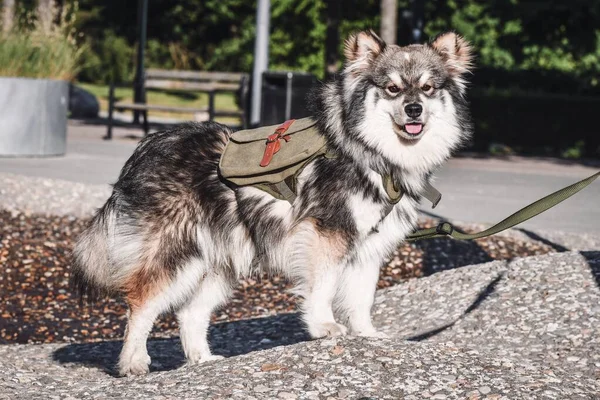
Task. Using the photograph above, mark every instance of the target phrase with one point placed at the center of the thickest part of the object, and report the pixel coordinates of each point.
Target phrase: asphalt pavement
(488, 190)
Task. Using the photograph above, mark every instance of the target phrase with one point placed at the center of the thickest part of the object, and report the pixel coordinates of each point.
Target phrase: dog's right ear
(361, 49)
(456, 52)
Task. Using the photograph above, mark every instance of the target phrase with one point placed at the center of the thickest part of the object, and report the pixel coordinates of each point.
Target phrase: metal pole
(418, 20)
(261, 57)
(288, 96)
(138, 85)
(332, 37)
(389, 21)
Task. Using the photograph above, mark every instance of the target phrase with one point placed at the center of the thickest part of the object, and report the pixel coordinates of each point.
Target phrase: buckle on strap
(273, 144)
(444, 228)
(432, 194)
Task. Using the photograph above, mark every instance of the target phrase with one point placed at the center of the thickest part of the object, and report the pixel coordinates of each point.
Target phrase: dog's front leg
(315, 259)
(356, 294)
(318, 303)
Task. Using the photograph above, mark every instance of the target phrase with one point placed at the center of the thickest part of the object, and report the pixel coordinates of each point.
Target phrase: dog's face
(413, 97)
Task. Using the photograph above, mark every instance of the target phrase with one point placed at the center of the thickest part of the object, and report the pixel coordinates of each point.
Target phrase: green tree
(558, 39)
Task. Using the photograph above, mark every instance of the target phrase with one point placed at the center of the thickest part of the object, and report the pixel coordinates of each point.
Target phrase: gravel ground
(50, 197)
(40, 308)
(501, 330)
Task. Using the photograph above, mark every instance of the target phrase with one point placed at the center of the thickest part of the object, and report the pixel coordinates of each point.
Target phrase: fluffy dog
(174, 236)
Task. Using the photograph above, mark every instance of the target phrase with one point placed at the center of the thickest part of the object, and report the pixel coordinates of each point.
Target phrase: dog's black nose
(413, 110)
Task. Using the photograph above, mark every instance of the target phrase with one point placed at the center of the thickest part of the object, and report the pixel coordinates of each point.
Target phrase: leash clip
(444, 228)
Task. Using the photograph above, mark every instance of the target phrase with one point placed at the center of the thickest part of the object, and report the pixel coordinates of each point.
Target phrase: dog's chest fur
(345, 201)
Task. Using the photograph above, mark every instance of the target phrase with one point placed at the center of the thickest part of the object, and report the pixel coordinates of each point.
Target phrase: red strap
(273, 144)
(285, 126)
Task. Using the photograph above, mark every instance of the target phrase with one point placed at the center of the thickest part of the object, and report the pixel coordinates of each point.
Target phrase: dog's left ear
(456, 51)
(361, 49)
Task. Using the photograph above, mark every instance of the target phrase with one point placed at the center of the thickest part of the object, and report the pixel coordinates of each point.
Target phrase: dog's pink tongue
(413, 129)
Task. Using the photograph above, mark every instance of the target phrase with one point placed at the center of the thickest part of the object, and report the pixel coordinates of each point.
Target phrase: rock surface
(82, 104)
(502, 330)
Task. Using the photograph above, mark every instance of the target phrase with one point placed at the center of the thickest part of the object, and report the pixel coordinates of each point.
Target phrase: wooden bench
(191, 81)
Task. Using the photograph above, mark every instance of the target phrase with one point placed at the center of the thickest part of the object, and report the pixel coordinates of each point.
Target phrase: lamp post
(418, 20)
(139, 96)
(261, 57)
(389, 21)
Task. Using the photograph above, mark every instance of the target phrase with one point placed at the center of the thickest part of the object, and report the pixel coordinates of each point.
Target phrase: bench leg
(211, 106)
(244, 89)
(146, 127)
(111, 101)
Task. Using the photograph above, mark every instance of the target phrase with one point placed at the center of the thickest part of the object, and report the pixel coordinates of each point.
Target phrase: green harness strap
(538, 207)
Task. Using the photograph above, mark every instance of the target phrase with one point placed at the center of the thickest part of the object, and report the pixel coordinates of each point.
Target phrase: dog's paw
(327, 329)
(198, 359)
(135, 365)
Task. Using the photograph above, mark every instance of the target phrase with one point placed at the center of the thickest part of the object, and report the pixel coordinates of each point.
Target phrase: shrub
(535, 123)
(575, 152)
(36, 50)
(110, 60)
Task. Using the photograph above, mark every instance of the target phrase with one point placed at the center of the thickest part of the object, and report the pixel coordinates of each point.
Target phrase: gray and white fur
(174, 236)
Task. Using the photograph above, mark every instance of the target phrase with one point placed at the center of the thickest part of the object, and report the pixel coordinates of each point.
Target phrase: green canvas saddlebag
(243, 161)
(271, 158)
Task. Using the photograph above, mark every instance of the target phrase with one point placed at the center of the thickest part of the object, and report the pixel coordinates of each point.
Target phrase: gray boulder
(525, 329)
(82, 104)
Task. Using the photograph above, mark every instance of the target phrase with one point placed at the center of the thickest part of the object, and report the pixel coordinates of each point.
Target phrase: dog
(174, 236)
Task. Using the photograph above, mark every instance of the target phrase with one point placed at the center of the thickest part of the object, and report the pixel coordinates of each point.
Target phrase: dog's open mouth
(410, 132)
(413, 129)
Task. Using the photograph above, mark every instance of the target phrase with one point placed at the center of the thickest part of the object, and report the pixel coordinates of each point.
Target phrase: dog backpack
(272, 157)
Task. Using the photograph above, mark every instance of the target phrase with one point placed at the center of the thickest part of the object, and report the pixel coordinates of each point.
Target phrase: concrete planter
(33, 116)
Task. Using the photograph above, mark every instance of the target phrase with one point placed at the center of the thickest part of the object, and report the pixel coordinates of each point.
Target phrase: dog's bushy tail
(91, 272)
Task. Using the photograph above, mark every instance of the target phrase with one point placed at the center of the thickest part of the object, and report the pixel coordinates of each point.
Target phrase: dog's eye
(426, 88)
(393, 89)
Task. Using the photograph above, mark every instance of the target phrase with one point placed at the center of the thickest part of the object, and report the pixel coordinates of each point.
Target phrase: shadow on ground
(229, 339)
(486, 292)
(226, 339)
(592, 257)
(242, 337)
(532, 235)
(442, 254)
(593, 260)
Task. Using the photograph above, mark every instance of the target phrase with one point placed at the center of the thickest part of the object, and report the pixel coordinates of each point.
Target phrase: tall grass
(42, 50)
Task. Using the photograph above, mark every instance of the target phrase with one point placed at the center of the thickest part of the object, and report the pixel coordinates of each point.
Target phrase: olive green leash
(538, 207)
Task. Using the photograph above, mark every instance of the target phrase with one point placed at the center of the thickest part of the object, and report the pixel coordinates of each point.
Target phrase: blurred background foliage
(538, 61)
(559, 40)
(41, 44)
(212, 34)
(540, 45)
(534, 88)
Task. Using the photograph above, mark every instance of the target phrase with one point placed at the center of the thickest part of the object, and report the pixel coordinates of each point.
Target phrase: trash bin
(284, 96)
